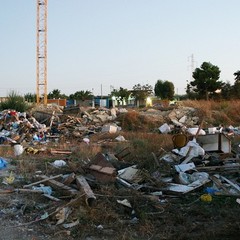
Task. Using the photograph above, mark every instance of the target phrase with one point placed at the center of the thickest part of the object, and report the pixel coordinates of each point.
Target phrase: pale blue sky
(94, 43)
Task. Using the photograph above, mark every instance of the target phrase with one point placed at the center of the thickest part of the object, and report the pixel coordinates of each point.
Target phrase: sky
(98, 45)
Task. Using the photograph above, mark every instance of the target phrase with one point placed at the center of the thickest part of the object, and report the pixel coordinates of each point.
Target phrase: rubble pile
(201, 162)
(16, 127)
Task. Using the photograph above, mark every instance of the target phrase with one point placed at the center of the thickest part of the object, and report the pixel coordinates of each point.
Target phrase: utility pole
(41, 68)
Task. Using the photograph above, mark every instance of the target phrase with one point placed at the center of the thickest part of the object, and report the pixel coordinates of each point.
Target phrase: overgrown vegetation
(134, 121)
(14, 101)
(216, 112)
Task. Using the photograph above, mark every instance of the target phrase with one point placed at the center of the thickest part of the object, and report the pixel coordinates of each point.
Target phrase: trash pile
(200, 161)
(23, 130)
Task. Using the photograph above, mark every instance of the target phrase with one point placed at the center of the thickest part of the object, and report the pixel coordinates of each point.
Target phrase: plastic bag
(3, 163)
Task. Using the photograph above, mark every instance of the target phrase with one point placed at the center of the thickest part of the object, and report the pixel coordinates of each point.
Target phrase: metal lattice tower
(42, 51)
(192, 67)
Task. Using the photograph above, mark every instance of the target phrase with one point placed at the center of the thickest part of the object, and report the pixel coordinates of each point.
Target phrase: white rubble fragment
(109, 128)
(194, 131)
(165, 128)
(192, 149)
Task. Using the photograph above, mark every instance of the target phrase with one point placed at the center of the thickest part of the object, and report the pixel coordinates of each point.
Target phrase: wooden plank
(231, 183)
(220, 168)
(51, 197)
(59, 151)
(28, 190)
(69, 179)
(60, 186)
(219, 183)
(41, 181)
(104, 170)
(155, 159)
(52, 118)
(226, 194)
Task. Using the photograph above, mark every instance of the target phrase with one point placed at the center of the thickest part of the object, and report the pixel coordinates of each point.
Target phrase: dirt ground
(169, 217)
(187, 218)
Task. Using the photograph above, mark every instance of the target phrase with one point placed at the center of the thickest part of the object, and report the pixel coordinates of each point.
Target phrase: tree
(206, 80)
(236, 85)
(56, 94)
(30, 97)
(191, 94)
(82, 95)
(164, 89)
(237, 76)
(141, 92)
(121, 95)
(227, 91)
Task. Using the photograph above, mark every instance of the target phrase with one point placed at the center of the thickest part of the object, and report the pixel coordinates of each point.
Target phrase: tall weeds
(217, 112)
(14, 101)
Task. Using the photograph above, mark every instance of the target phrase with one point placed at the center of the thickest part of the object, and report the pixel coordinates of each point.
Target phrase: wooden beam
(60, 186)
(41, 181)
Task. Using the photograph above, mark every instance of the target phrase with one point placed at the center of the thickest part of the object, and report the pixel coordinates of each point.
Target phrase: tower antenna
(192, 62)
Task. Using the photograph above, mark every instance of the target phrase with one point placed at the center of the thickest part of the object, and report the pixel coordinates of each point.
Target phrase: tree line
(205, 84)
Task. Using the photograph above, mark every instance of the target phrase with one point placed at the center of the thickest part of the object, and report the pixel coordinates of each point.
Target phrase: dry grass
(133, 121)
(142, 145)
(216, 112)
(83, 151)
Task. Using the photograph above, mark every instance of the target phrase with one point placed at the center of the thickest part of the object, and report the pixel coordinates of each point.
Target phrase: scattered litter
(44, 216)
(206, 198)
(45, 189)
(165, 128)
(191, 165)
(10, 179)
(125, 202)
(62, 215)
(3, 163)
(193, 131)
(185, 167)
(100, 227)
(86, 140)
(130, 174)
(120, 138)
(109, 128)
(18, 149)
(70, 225)
(59, 163)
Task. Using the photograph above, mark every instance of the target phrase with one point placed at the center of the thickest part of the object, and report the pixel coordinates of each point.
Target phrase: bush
(216, 112)
(131, 121)
(14, 101)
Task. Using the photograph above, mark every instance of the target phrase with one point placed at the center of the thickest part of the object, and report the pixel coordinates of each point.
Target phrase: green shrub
(14, 101)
